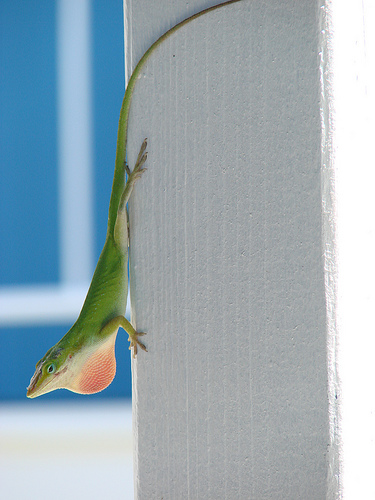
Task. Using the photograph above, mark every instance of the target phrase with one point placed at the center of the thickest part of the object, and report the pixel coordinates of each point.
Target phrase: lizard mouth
(32, 391)
(33, 382)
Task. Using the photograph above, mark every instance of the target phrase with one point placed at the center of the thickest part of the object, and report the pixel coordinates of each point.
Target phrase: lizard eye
(51, 368)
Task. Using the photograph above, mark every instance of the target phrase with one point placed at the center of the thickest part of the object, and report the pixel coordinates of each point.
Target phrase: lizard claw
(134, 342)
(142, 157)
(127, 169)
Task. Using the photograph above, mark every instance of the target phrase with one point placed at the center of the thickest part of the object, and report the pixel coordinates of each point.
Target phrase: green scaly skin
(104, 308)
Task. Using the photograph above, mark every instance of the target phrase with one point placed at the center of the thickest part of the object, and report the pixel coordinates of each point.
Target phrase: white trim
(42, 304)
(74, 140)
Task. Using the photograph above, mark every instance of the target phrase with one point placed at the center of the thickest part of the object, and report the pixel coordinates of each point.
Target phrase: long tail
(119, 176)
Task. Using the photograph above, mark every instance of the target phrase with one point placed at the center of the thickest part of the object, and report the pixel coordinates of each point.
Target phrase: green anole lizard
(83, 361)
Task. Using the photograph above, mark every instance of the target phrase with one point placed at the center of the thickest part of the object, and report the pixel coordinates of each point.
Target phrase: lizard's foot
(133, 176)
(127, 169)
(142, 157)
(135, 342)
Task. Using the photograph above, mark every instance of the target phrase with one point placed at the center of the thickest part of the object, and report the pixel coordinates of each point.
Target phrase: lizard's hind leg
(121, 229)
(133, 176)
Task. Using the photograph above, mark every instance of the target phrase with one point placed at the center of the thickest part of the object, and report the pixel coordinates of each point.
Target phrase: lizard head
(86, 370)
(48, 372)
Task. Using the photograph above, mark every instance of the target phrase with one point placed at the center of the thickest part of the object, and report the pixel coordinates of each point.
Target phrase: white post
(227, 254)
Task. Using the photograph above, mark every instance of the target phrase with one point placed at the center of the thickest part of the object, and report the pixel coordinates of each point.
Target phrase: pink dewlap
(98, 371)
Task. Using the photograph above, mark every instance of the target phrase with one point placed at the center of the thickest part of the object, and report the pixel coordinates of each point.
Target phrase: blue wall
(29, 246)
(28, 209)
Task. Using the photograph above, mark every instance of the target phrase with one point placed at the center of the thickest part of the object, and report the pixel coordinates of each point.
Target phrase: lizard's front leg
(118, 321)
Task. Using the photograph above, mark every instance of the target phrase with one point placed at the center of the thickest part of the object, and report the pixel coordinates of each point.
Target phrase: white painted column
(227, 255)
